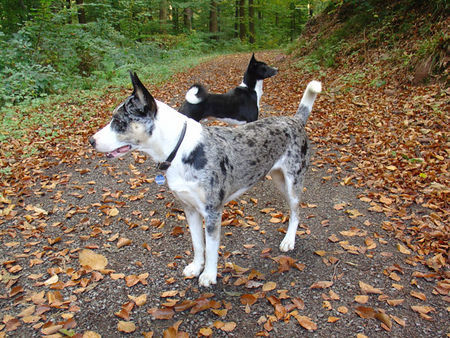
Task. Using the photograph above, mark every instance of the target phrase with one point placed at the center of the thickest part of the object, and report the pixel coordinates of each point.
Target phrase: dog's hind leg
(195, 222)
(212, 236)
(291, 192)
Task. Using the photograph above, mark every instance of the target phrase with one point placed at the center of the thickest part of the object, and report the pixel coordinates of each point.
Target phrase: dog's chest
(259, 90)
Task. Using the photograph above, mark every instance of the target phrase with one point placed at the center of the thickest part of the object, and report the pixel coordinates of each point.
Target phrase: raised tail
(309, 96)
(196, 94)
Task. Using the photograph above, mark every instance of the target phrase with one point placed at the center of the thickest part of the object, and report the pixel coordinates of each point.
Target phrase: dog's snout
(92, 141)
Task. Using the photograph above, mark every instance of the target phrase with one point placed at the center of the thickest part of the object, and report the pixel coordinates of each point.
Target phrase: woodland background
(373, 243)
(49, 46)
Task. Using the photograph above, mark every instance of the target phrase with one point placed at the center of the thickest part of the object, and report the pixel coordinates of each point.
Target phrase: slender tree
(81, 12)
(251, 21)
(242, 31)
(213, 24)
(163, 15)
(68, 6)
(187, 18)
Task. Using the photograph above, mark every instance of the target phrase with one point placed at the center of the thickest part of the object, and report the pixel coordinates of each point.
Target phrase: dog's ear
(143, 95)
(253, 59)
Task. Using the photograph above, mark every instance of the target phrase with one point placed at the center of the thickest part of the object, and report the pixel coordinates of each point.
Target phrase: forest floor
(371, 250)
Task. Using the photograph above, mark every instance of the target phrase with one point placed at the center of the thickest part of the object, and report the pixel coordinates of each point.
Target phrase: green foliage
(45, 51)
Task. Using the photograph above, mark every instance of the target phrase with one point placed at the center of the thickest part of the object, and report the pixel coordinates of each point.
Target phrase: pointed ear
(253, 57)
(143, 95)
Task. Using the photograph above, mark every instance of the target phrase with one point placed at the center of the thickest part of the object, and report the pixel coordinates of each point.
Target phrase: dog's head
(132, 123)
(260, 70)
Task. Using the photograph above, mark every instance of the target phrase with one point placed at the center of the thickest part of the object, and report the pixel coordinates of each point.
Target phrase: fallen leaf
(90, 258)
(418, 295)
(228, 326)
(365, 312)
(403, 249)
(139, 300)
(366, 288)
(269, 286)
(164, 313)
(342, 309)
(248, 299)
(423, 309)
(321, 285)
(205, 331)
(126, 327)
(91, 334)
(394, 302)
(361, 299)
(306, 322)
(384, 318)
(332, 319)
(123, 242)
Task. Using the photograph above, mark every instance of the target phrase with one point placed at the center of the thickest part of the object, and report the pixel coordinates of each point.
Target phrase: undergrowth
(351, 27)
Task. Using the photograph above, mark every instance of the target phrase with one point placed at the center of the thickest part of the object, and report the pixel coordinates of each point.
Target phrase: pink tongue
(120, 150)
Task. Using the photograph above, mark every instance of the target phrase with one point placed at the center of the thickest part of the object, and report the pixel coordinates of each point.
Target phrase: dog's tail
(309, 96)
(196, 94)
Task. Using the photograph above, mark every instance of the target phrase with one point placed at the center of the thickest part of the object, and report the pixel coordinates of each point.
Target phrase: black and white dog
(208, 166)
(238, 106)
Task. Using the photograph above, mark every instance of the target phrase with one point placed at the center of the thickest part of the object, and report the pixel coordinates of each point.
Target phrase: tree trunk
(187, 17)
(242, 31)
(251, 21)
(175, 20)
(81, 12)
(68, 6)
(236, 19)
(213, 25)
(163, 15)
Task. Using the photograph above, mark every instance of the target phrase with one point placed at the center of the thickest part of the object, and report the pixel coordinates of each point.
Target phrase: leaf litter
(83, 235)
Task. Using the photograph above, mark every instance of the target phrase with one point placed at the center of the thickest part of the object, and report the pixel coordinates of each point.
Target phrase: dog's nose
(92, 141)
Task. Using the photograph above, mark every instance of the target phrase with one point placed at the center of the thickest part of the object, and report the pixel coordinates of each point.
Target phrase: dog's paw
(192, 270)
(207, 279)
(287, 244)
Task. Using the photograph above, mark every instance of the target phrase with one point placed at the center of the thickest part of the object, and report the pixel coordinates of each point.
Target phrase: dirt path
(348, 275)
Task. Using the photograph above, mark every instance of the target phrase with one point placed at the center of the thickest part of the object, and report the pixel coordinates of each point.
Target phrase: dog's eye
(119, 124)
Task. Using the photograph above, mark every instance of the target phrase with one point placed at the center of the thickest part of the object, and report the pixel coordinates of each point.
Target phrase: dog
(207, 166)
(238, 106)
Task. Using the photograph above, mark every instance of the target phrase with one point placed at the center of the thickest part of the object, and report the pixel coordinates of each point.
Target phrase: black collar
(166, 164)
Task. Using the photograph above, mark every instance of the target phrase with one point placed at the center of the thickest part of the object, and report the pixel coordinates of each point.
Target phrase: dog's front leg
(212, 235)
(195, 222)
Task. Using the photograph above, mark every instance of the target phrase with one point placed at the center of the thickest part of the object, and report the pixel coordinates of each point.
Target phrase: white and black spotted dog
(209, 166)
(238, 106)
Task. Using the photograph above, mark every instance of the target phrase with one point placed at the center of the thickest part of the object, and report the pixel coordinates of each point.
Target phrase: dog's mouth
(119, 151)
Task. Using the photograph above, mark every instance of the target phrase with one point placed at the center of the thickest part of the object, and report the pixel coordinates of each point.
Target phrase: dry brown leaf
(403, 249)
(113, 212)
(321, 285)
(123, 242)
(366, 288)
(91, 334)
(342, 309)
(332, 319)
(418, 295)
(205, 331)
(126, 326)
(423, 309)
(384, 318)
(394, 302)
(248, 299)
(269, 286)
(361, 299)
(365, 312)
(139, 300)
(228, 326)
(306, 322)
(90, 258)
(164, 313)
